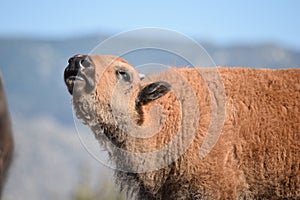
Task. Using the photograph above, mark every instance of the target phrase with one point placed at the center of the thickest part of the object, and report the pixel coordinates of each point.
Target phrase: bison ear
(153, 91)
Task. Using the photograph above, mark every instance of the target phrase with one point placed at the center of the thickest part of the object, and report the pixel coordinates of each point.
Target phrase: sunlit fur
(256, 157)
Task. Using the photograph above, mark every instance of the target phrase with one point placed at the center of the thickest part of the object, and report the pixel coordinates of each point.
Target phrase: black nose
(79, 62)
(82, 71)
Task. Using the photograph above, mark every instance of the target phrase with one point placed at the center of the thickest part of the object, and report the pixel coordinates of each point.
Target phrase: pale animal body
(257, 155)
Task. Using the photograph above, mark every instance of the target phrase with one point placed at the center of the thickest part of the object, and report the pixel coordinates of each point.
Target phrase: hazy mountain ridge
(257, 56)
(48, 152)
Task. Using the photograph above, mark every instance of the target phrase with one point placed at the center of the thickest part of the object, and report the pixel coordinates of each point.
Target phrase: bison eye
(123, 75)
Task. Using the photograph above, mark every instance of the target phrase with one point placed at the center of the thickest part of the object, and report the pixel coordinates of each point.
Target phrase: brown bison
(6, 138)
(256, 156)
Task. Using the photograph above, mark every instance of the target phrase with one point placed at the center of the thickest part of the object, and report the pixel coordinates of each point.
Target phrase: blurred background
(37, 38)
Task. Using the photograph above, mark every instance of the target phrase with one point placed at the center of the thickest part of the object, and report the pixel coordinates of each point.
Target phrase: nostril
(79, 62)
(76, 59)
(85, 62)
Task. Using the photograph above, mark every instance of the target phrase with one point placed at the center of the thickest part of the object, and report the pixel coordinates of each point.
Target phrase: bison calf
(256, 156)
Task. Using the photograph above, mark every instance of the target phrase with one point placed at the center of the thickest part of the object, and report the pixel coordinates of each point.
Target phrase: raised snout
(79, 75)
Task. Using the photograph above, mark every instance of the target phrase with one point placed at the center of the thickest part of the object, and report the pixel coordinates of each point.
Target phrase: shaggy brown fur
(6, 139)
(257, 155)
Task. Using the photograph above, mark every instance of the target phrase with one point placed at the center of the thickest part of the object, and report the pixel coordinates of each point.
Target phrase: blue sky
(223, 22)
